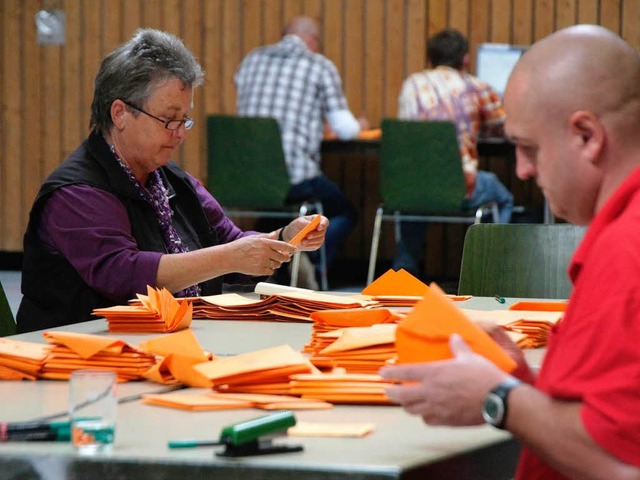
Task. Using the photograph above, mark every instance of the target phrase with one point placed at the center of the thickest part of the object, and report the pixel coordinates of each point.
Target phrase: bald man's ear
(586, 126)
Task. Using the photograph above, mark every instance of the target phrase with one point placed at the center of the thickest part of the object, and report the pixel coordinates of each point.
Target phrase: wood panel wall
(46, 90)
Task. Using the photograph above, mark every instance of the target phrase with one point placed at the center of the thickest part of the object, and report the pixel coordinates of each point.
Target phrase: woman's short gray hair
(133, 70)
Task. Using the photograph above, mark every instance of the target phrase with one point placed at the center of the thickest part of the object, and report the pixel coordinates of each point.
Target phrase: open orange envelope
(392, 283)
(423, 335)
(159, 312)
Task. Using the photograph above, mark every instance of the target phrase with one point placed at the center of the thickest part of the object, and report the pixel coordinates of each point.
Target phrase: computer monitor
(495, 62)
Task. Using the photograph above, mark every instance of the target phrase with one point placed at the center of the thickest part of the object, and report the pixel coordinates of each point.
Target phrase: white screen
(495, 62)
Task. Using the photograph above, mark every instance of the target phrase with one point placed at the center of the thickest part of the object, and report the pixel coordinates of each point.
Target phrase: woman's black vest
(53, 292)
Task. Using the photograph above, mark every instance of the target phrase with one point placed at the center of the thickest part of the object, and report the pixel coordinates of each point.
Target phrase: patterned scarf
(157, 195)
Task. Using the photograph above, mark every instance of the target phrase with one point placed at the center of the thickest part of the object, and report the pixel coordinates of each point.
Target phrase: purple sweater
(91, 228)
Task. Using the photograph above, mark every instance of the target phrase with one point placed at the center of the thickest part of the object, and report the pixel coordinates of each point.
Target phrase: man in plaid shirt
(447, 92)
(291, 82)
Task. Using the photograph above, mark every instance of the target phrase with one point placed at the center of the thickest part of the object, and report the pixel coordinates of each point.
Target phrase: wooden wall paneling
(172, 17)
(332, 33)
(131, 17)
(76, 114)
(373, 60)
(610, 14)
(53, 117)
(111, 26)
(231, 54)
(543, 18)
(501, 22)
(394, 56)
(291, 9)
(272, 21)
(588, 11)
(522, 22)
(211, 60)
(31, 166)
(193, 150)
(251, 25)
(458, 16)
(152, 14)
(631, 22)
(12, 98)
(566, 13)
(415, 40)
(353, 53)
(438, 17)
(4, 118)
(480, 28)
(91, 53)
(312, 8)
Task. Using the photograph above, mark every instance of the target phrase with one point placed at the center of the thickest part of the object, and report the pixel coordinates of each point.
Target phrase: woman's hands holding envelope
(447, 392)
(311, 239)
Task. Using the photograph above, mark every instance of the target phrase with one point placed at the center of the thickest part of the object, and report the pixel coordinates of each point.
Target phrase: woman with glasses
(118, 215)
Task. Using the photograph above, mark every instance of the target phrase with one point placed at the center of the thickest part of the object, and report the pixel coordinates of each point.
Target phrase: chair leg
(324, 282)
(495, 212)
(295, 263)
(375, 239)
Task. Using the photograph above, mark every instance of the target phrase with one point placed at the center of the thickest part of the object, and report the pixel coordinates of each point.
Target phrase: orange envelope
(424, 335)
(297, 240)
(361, 337)
(392, 283)
(86, 345)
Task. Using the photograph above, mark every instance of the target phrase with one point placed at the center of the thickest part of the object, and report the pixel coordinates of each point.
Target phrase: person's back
(447, 92)
(291, 82)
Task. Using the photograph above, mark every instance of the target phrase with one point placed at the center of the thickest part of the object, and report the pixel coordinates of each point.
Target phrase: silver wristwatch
(494, 407)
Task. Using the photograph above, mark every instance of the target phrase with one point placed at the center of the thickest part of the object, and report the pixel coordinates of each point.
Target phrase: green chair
(7, 322)
(248, 175)
(518, 260)
(421, 179)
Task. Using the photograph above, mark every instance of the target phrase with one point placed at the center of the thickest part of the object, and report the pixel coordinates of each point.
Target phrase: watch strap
(502, 391)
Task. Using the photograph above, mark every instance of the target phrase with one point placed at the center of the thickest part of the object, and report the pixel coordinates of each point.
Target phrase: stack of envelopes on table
(21, 360)
(199, 401)
(179, 352)
(358, 349)
(159, 311)
(529, 328)
(400, 289)
(424, 335)
(262, 371)
(234, 306)
(327, 321)
(74, 351)
(346, 388)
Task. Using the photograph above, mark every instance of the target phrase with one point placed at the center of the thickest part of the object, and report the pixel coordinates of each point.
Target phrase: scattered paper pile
(73, 351)
(207, 400)
(21, 360)
(345, 388)
(158, 311)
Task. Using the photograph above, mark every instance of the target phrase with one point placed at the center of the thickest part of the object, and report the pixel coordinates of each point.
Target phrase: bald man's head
(307, 29)
(583, 67)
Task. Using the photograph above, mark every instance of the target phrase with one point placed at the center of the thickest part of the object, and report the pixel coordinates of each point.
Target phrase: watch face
(493, 409)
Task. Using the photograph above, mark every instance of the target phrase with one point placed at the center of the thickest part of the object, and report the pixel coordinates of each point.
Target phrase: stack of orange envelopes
(198, 401)
(400, 289)
(529, 328)
(262, 371)
(74, 351)
(234, 306)
(159, 312)
(21, 360)
(179, 352)
(424, 335)
(327, 321)
(348, 388)
(358, 349)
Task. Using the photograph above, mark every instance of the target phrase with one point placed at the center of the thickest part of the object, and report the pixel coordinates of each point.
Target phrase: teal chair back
(518, 260)
(7, 322)
(246, 164)
(420, 166)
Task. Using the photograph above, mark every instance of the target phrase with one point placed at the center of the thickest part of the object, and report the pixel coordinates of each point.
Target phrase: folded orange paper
(424, 334)
(392, 283)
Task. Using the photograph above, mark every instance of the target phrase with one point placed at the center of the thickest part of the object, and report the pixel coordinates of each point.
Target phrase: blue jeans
(337, 208)
(411, 245)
